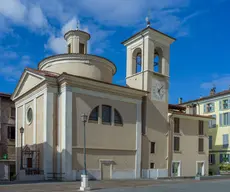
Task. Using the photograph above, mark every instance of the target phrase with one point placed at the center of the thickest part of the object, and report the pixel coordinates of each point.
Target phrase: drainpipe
(170, 144)
(198, 111)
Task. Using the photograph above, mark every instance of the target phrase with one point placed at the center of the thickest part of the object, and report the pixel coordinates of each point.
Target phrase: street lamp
(21, 131)
(84, 183)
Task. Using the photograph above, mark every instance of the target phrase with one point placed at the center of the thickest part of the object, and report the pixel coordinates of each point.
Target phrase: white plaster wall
(95, 174)
(154, 173)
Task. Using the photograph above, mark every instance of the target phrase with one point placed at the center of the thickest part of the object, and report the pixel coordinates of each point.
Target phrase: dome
(77, 61)
(84, 65)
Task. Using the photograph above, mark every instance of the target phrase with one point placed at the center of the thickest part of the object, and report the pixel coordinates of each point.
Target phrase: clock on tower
(159, 90)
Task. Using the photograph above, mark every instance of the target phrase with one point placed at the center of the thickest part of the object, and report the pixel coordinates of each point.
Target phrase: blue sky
(31, 30)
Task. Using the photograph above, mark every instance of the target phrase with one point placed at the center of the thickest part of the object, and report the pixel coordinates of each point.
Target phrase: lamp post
(21, 131)
(84, 182)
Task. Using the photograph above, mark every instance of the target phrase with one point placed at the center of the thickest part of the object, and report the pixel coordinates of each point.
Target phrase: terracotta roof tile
(177, 107)
(222, 93)
(43, 73)
(191, 115)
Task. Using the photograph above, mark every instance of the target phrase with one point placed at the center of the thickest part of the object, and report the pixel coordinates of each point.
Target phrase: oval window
(29, 115)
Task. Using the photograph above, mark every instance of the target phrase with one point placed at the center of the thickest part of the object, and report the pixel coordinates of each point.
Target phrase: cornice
(68, 81)
(87, 58)
(76, 33)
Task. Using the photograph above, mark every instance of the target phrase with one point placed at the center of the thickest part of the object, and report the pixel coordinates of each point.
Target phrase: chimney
(180, 100)
(213, 91)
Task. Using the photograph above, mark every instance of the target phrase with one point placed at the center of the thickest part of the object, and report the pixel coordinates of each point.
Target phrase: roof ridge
(221, 93)
(43, 72)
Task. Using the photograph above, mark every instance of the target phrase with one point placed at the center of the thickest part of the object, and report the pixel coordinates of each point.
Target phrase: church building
(127, 127)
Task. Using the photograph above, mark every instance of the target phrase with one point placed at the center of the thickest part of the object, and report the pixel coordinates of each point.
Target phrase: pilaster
(138, 141)
(148, 54)
(34, 120)
(23, 123)
(66, 132)
(48, 133)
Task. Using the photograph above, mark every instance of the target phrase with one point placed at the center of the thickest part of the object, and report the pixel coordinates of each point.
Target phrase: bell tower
(147, 68)
(148, 54)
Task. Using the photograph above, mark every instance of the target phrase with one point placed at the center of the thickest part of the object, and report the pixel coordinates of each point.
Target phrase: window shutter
(210, 142)
(213, 158)
(210, 123)
(221, 119)
(204, 108)
(220, 105)
(228, 103)
(226, 139)
(228, 118)
(214, 121)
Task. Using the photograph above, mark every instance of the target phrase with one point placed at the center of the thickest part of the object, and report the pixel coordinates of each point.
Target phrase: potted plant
(224, 168)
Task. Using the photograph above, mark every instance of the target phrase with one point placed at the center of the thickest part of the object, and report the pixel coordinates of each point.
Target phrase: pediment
(27, 82)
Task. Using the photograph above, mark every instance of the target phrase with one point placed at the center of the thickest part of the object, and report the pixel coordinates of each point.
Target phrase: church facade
(127, 130)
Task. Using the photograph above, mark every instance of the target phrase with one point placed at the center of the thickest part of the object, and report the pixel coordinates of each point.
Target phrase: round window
(29, 115)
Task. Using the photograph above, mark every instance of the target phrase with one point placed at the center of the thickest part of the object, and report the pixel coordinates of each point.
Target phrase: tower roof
(146, 29)
(76, 32)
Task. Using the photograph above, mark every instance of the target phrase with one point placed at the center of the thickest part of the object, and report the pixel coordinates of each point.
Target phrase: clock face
(158, 90)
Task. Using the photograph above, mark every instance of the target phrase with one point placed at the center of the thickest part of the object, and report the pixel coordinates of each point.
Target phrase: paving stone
(124, 186)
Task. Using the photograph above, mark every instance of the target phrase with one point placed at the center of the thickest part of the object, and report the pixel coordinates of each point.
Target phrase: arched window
(94, 115)
(137, 61)
(157, 61)
(106, 114)
(117, 118)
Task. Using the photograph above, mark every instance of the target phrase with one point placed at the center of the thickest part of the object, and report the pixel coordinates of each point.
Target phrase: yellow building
(218, 106)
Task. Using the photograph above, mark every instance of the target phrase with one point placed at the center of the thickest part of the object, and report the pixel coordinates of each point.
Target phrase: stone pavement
(203, 186)
(124, 185)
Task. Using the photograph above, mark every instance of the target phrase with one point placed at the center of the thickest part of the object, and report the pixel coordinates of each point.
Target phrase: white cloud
(56, 44)
(13, 9)
(128, 13)
(55, 17)
(96, 45)
(23, 14)
(36, 17)
(57, 9)
(71, 24)
(221, 82)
